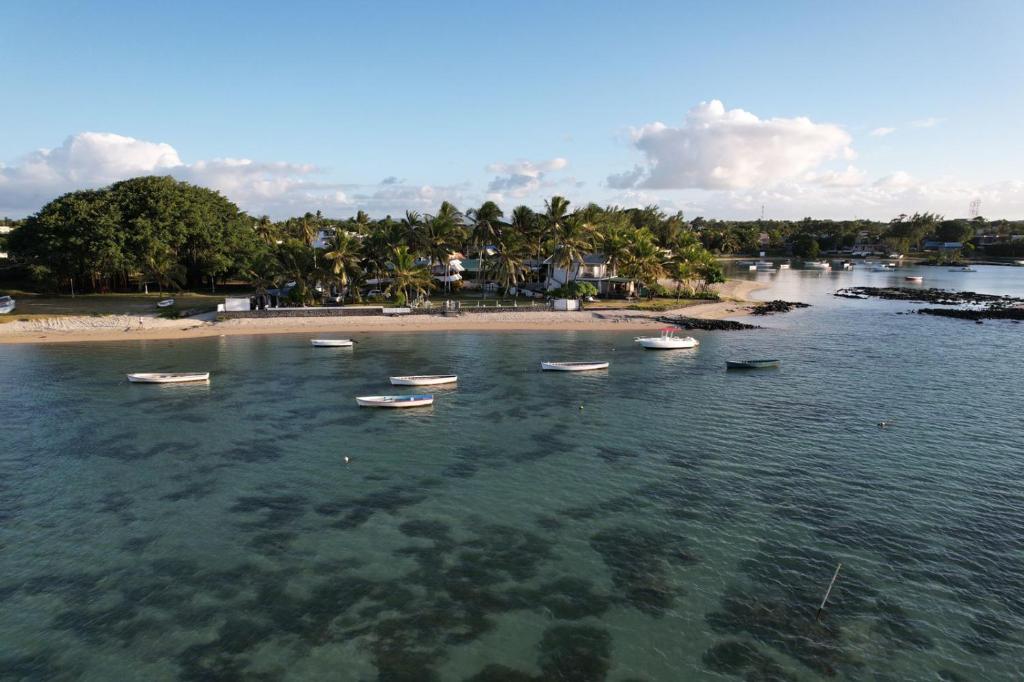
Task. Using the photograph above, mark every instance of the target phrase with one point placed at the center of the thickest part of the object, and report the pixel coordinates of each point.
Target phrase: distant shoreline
(82, 329)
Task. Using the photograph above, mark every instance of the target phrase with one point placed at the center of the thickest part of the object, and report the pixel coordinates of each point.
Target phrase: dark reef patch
(640, 562)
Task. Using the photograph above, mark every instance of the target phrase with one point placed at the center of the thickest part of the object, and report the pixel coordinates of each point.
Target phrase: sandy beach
(71, 328)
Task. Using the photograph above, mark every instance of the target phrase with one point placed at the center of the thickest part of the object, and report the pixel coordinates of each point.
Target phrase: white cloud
(716, 148)
(929, 122)
(851, 177)
(882, 132)
(521, 178)
(89, 160)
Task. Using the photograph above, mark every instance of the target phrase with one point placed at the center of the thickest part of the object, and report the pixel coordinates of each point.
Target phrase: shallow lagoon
(682, 524)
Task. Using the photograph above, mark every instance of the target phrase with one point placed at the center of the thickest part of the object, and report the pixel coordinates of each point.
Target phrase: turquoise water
(682, 525)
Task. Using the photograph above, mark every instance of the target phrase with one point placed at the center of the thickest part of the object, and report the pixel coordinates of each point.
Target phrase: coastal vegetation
(162, 234)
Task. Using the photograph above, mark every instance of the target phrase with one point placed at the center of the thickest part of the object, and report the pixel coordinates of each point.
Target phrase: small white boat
(751, 267)
(667, 341)
(331, 343)
(1018, 262)
(7, 305)
(572, 366)
(395, 400)
(818, 265)
(883, 268)
(783, 266)
(914, 278)
(166, 303)
(167, 377)
(424, 380)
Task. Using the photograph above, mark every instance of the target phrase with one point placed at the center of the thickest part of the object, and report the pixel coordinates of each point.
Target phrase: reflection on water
(682, 525)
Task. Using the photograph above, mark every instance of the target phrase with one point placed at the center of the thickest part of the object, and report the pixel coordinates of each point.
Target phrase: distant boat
(424, 380)
(7, 304)
(572, 366)
(166, 303)
(914, 278)
(883, 268)
(817, 265)
(667, 341)
(168, 377)
(783, 266)
(751, 364)
(1018, 262)
(764, 266)
(752, 266)
(963, 269)
(331, 343)
(395, 400)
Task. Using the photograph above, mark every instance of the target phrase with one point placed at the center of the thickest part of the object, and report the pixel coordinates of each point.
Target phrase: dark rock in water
(500, 673)
(639, 562)
(706, 325)
(988, 306)
(977, 314)
(777, 306)
(575, 653)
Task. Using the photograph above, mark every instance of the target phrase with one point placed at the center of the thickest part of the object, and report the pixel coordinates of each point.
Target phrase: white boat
(1018, 262)
(7, 304)
(572, 366)
(167, 377)
(166, 303)
(751, 267)
(783, 266)
(914, 278)
(817, 265)
(883, 268)
(667, 341)
(424, 380)
(331, 343)
(395, 400)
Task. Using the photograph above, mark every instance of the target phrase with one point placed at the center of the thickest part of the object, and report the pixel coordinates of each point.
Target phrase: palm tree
(509, 268)
(526, 225)
(344, 257)
(614, 241)
(485, 225)
(406, 277)
(574, 241)
(266, 230)
(644, 262)
(440, 235)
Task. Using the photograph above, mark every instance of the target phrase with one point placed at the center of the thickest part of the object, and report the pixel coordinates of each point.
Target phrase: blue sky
(288, 107)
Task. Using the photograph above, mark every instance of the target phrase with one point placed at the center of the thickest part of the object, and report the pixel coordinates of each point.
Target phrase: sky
(722, 110)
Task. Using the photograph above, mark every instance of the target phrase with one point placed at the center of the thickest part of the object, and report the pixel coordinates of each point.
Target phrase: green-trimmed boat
(751, 364)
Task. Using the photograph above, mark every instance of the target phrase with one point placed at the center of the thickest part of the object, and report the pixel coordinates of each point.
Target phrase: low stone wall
(272, 313)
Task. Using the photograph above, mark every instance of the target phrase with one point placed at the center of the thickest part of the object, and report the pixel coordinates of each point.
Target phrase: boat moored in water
(667, 341)
(167, 377)
(424, 380)
(7, 305)
(573, 366)
(395, 400)
(331, 343)
(166, 303)
(914, 278)
(818, 265)
(751, 364)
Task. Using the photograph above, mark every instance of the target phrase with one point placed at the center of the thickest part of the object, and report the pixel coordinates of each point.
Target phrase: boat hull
(654, 343)
(395, 401)
(7, 305)
(168, 377)
(424, 380)
(166, 303)
(751, 364)
(331, 343)
(573, 366)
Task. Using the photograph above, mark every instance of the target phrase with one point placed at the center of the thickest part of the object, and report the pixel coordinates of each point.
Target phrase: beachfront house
(595, 269)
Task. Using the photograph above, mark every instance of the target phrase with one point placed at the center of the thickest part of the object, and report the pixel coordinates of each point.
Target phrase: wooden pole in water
(828, 591)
